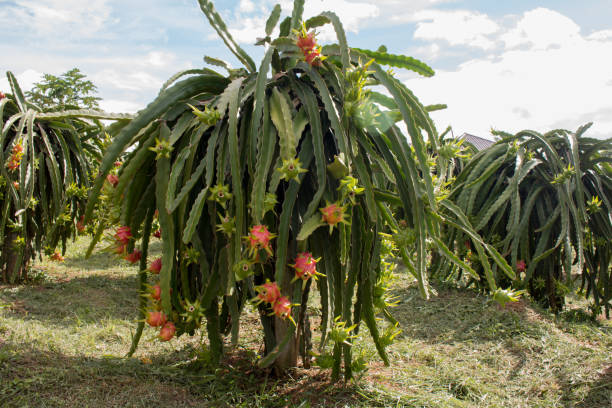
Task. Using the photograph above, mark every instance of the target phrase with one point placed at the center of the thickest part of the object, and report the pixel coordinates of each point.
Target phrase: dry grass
(62, 342)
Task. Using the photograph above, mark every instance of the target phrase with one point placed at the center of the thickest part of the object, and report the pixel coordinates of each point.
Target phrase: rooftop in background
(479, 143)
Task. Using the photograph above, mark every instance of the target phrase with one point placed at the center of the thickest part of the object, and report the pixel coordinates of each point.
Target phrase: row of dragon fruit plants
(267, 183)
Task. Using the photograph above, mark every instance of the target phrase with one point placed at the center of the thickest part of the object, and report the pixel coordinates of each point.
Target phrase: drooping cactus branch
(264, 184)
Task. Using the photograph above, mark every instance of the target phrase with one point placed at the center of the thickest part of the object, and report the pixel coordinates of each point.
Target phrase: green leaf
(398, 61)
(181, 90)
(337, 168)
(309, 226)
(17, 93)
(264, 161)
(186, 72)
(218, 63)
(316, 21)
(311, 106)
(273, 19)
(235, 165)
(437, 107)
(167, 227)
(217, 23)
(364, 176)
(344, 50)
(194, 215)
(285, 27)
(296, 15)
(415, 135)
(280, 113)
(454, 258)
(330, 107)
(305, 157)
(85, 114)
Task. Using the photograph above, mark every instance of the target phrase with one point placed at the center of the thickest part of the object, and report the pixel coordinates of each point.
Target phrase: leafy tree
(68, 91)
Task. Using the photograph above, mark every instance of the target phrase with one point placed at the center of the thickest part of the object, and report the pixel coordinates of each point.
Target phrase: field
(64, 336)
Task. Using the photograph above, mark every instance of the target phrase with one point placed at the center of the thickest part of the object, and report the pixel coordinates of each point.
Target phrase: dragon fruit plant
(276, 181)
(545, 202)
(47, 160)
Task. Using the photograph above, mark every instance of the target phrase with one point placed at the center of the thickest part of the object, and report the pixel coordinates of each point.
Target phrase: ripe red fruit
(12, 165)
(269, 292)
(333, 214)
(156, 292)
(282, 307)
(305, 266)
(16, 155)
(311, 57)
(57, 257)
(309, 47)
(112, 179)
(259, 238)
(133, 257)
(521, 266)
(167, 332)
(123, 235)
(156, 318)
(307, 42)
(2, 95)
(156, 266)
(157, 233)
(80, 226)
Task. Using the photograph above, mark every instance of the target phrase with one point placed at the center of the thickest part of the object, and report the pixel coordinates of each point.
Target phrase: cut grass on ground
(62, 343)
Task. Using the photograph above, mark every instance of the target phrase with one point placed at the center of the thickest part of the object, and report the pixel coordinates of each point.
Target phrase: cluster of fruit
(156, 317)
(16, 155)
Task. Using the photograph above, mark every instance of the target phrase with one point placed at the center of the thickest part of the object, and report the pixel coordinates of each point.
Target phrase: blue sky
(509, 65)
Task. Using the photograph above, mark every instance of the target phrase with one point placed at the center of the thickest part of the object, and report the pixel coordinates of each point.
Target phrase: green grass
(63, 341)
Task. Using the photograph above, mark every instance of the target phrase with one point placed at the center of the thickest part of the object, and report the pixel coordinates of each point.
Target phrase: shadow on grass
(36, 377)
(97, 261)
(86, 299)
(105, 260)
(600, 391)
(456, 315)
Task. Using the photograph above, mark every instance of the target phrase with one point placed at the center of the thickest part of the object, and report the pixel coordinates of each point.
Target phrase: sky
(507, 65)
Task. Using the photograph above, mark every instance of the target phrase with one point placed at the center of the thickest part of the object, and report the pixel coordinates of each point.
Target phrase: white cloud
(351, 13)
(126, 80)
(160, 58)
(71, 18)
(123, 47)
(538, 70)
(250, 29)
(246, 27)
(458, 27)
(544, 84)
(246, 6)
(120, 106)
(542, 28)
(427, 52)
(140, 72)
(393, 12)
(126, 83)
(602, 35)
